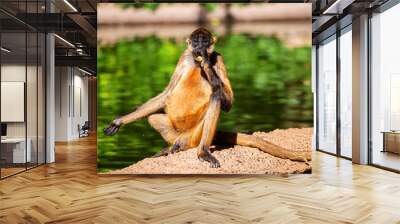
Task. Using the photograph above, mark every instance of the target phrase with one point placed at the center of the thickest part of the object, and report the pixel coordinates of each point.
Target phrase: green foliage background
(271, 83)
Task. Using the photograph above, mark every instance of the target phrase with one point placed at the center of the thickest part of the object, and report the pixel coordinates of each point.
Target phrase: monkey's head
(201, 43)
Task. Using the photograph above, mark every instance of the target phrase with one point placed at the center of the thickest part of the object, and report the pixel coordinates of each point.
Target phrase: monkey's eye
(200, 41)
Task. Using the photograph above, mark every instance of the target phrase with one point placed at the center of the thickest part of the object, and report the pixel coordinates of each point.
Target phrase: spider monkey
(186, 113)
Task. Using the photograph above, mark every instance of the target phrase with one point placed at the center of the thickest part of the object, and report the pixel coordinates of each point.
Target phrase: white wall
(13, 101)
(71, 94)
(33, 126)
(61, 103)
(14, 73)
(80, 109)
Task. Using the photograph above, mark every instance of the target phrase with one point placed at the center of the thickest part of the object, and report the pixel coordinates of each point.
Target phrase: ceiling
(75, 23)
(332, 15)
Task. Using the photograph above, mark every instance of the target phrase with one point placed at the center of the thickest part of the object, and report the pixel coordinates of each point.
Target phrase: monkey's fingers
(214, 163)
(199, 58)
(111, 130)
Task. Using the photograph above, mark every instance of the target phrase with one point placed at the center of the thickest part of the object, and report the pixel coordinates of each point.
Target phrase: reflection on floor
(10, 169)
(386, 159)
(70, 191)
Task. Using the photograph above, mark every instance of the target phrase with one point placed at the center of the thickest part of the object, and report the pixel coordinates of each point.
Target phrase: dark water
(271, 83)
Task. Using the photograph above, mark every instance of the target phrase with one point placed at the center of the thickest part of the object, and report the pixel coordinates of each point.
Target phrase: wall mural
(219, 89)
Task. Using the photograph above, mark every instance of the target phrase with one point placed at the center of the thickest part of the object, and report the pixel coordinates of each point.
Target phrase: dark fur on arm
(216, 74)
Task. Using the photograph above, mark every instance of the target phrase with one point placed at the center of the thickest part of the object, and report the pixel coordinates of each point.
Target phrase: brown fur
(195, 91)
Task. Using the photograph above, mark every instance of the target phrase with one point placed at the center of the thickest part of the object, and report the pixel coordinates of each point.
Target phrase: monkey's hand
(113, 128)
(205, 60)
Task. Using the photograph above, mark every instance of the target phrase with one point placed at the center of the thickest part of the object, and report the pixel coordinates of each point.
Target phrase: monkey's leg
(209, 126)
(162, 124)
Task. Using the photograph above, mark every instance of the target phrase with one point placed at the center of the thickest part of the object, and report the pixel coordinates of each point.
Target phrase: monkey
(187, 112)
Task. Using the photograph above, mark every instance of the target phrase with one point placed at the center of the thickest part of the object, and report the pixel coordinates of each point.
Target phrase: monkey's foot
(175, 148)
(206, 156)
(163, 152)
(168, 150)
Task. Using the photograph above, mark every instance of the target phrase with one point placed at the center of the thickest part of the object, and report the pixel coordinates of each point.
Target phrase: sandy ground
(235, 160)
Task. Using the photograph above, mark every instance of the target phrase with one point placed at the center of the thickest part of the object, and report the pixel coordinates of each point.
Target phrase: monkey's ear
(188, 42)
(214, 39)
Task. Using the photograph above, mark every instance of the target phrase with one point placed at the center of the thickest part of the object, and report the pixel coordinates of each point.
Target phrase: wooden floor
(70, 191)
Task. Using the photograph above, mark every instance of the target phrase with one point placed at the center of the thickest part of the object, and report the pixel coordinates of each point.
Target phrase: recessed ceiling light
(64, 40)
(70, 5)
(338, 6)
(5, 50)
(84, 71)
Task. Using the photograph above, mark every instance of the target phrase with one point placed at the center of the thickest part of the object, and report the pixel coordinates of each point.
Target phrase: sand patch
(234, 160)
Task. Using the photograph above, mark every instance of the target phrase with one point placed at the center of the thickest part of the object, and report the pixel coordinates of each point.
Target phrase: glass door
(14, 153)
(22, 77)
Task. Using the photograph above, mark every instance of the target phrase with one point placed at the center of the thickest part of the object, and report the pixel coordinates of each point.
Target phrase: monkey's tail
(265, 146)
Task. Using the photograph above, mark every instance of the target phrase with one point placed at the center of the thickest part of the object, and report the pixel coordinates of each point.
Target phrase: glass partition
(14, 153)
(327, 95)
(346, 92)
(22, 88)
(385, 89)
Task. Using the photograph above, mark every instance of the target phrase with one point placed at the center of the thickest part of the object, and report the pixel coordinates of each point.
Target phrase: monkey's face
(201, 43)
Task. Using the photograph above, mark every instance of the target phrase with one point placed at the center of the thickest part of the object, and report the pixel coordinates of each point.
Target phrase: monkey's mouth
(199, 53)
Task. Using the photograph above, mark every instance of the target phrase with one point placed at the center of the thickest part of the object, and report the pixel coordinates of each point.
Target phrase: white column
(50, 99)
(360, 90)
(50, 92)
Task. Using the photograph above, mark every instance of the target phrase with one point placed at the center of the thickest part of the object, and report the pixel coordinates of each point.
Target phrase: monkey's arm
(218, 78)
(151, 106)
(154, 104)
(227, 96)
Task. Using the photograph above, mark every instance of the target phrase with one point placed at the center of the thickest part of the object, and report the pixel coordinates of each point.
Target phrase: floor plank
(70, 191)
